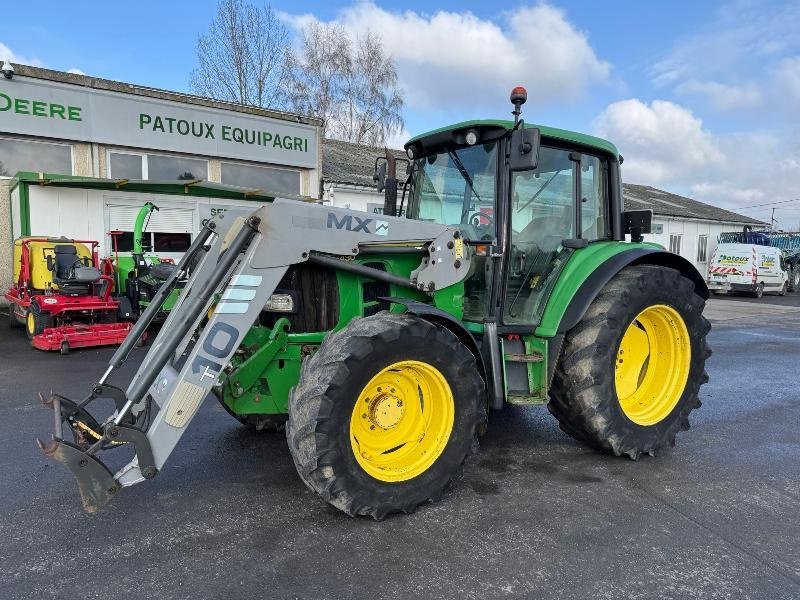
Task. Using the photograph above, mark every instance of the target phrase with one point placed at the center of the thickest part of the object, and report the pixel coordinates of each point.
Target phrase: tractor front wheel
(385, 414)
(37, 321)
(631, 370)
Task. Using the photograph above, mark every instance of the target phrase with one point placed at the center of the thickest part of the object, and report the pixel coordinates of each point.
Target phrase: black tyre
(385, 414)
(759, 291)
(783, 289)
(37, 321)
(652, 318)
(794, 278)
(13, 321)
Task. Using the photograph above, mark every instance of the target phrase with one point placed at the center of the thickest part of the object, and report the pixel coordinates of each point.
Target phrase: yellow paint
(41, 276)
(402, 421)
(653, 364)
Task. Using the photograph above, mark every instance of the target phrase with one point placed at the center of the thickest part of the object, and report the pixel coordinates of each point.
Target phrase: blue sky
(702, 98)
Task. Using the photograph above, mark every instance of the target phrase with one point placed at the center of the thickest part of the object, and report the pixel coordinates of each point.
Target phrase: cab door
(555, 209)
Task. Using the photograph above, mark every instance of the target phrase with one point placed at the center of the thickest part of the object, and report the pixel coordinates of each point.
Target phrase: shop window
(702, 248)
(24, 155)
(267, 179)
(171, 242)
(126, 166)
(164, 168)
(155, 167)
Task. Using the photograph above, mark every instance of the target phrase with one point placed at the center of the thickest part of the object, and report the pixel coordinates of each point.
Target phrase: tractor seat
(70, 272)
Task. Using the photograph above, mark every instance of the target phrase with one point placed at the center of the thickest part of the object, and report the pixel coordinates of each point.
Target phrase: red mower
(62, 295)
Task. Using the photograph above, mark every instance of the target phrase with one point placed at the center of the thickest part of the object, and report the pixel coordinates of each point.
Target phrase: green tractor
(383, 342)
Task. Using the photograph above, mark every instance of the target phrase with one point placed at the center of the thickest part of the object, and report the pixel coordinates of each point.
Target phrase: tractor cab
(525, 197)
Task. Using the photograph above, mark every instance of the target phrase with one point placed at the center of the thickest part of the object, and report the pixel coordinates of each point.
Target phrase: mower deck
(81, 336)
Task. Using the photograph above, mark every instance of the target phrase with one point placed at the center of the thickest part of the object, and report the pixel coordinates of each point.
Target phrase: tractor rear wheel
(631, 370)
(36, 321)
(385, 414)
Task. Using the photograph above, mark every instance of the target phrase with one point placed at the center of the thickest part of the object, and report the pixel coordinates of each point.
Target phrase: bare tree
(351, 84)
(243, 57)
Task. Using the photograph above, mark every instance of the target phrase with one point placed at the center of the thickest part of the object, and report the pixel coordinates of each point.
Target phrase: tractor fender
(444, 319)
(592, 285)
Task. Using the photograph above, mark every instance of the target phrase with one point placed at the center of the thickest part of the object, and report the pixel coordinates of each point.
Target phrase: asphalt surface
(536, 515)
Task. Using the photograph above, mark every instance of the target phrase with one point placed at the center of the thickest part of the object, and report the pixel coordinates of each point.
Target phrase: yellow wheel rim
(652, 364)
(30, 321)
(402, 421)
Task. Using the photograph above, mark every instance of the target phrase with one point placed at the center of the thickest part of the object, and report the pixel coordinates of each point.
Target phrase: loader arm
(242, 257)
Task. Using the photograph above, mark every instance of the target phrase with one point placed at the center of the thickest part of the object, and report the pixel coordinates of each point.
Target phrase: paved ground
(535, 516)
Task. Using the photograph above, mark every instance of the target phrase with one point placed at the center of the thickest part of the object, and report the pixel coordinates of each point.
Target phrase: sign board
(57, 110)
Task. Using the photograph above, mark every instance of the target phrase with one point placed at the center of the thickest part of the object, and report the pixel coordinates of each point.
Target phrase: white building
(682, 225)
(62, 125)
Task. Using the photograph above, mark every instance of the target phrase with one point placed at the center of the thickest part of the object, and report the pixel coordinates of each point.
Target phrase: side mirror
(636, 223)
(524, 151)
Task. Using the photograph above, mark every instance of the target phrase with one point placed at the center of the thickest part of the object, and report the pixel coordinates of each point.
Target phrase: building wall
(5, 236)
(90, 145)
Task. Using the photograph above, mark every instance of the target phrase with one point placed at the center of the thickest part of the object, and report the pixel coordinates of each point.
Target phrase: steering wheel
(474, 220)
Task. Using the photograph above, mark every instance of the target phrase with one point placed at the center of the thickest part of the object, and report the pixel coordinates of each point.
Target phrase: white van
(747, 268)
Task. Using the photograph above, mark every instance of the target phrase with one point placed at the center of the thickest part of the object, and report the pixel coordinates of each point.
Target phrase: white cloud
(723, 96)
(7, 54)
(75, 71)
(665, 145)
(660, 141)
(459, 59)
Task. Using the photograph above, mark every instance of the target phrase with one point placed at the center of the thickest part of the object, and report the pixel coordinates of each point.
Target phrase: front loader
(382, 342)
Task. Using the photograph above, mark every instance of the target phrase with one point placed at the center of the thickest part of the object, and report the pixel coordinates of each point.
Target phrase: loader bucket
(95, 482)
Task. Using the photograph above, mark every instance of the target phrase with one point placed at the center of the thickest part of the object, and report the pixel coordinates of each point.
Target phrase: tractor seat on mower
(70, 272)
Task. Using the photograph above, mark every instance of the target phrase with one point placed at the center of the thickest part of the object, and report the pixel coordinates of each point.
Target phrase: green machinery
(383, 341)
(138, 276)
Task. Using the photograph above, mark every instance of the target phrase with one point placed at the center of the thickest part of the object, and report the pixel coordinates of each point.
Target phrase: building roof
(149, 92)
(353, 164)
(639, 197)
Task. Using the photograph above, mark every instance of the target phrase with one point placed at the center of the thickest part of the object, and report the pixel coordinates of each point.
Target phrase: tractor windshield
(457, 187)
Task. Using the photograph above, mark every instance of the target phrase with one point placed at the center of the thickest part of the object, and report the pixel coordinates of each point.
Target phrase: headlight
(471, 137)
(280, 303)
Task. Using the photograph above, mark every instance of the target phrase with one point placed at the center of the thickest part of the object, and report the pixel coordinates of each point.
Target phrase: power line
(768, 204)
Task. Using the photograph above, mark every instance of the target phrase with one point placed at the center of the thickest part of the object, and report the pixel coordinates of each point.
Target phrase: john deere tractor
(502, 276)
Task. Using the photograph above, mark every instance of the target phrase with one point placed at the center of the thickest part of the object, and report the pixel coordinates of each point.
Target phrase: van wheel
(759, 291)
(784, 287)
